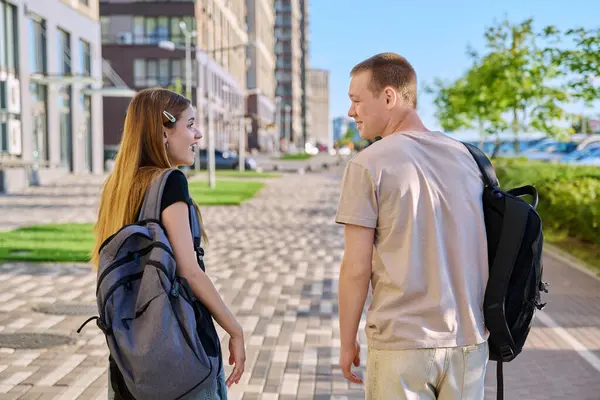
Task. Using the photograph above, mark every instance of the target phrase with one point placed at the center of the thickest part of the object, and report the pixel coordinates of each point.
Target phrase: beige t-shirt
(422, 194)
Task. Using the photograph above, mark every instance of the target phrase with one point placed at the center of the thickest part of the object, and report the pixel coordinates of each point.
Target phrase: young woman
(159, 134)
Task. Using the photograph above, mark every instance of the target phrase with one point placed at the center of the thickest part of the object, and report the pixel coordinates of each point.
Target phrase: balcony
(128, 38)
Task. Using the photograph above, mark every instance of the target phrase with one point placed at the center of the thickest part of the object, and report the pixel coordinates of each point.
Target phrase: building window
(8, 38)
(66, 136)
(64, 52)
(86, 106)
(151, 30)
(161, 72)
(105, 28)
(85, 58)
(39, 121)
(37, 44)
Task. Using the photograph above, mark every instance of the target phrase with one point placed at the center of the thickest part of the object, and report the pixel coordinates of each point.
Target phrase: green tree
(347, 138)
(513, 84)
(581, 64)
(527, 87)
(177, 87)
(470, 101)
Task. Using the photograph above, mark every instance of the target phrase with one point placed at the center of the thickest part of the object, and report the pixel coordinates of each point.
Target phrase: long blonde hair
(142, 157)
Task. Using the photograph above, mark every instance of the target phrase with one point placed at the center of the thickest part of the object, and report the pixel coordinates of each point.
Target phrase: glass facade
(8, 38)
(86, 128)
(85, 58)
(64, 52)
(36, 27)
(162, 72)
(151, 30)
(8, 70)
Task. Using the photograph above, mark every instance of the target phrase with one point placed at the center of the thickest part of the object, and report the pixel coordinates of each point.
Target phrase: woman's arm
(175, 218)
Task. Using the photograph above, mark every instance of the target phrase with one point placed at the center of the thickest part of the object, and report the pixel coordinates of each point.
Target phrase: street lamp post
(278, 121)
(288, 126)
(188, 58)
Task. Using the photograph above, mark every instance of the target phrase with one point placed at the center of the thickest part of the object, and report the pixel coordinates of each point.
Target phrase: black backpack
(515, 241)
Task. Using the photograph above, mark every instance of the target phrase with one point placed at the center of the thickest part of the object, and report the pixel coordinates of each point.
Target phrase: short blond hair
(390, 69)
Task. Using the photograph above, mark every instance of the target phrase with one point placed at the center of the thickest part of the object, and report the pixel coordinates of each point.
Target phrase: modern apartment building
(145, 45)
(222, 43)
(304, 67)
(131, 33)
(318, 106)
(50, 108)
(261, 75)
(288, 72)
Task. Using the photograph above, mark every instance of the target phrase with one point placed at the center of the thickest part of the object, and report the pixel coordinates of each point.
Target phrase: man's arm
(355, 274)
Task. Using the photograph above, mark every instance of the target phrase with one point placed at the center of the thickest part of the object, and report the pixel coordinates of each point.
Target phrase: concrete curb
(569, 260)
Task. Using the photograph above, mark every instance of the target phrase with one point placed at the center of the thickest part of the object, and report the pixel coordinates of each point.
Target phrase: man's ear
(391, 97)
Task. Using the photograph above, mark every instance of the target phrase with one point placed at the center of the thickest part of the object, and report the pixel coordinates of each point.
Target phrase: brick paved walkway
(275, 260)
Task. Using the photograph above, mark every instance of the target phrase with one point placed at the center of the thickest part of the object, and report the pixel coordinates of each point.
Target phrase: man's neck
(409, 123)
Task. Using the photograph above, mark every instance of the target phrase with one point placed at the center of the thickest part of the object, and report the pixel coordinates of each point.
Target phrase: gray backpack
(162, 338)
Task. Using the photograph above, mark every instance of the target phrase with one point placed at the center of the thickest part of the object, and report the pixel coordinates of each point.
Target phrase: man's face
(368, 109)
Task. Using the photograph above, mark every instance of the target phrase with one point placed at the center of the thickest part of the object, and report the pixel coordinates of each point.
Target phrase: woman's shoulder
(176, 189)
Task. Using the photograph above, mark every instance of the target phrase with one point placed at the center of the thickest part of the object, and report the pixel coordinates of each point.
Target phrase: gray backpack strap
(152, 199)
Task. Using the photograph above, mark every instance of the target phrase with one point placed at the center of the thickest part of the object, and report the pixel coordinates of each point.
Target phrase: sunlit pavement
(275, 261)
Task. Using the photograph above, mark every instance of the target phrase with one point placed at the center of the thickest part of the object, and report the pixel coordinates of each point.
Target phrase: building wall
(84, 143)
(318, 104)
(288, 73)
(261, 25)
(222, 43)
(222, 25)
(131, 32)
(304, 67)
(261, 74)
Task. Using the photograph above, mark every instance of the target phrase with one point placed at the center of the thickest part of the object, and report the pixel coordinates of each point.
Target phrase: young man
(414, 228)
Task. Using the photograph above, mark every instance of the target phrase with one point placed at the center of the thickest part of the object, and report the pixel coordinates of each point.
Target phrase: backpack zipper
(129, 257)
(123, 281)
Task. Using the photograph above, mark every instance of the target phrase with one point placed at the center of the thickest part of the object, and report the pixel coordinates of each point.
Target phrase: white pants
(453, 373)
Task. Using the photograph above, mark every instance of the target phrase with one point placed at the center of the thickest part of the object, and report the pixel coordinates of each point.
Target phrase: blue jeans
(217, 391)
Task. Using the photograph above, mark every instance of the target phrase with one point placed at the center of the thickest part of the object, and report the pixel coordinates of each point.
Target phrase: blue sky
(433, 35)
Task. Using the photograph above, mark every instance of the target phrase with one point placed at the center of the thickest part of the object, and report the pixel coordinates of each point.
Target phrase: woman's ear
(165, 137)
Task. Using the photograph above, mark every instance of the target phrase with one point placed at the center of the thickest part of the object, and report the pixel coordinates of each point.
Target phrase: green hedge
(569, 196)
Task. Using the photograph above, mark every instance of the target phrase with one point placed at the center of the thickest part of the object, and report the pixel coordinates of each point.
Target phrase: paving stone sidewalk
(274, 260)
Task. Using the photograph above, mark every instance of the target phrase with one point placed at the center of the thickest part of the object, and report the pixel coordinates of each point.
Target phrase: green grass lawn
(226, 173)
(299, 156)
(60, 242)
(246, 174)
(225, 193)
(74, 242)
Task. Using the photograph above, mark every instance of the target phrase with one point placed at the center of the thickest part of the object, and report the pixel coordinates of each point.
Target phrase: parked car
(226, 160)
(591, 157)
(581, 154)
(555, 150)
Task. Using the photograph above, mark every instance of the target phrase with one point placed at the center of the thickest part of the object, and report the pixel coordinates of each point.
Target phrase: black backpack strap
(196, 234)
(484, 164)
(513, 228)
(499, 381)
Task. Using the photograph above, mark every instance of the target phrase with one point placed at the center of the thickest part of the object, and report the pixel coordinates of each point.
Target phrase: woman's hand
(237, 357)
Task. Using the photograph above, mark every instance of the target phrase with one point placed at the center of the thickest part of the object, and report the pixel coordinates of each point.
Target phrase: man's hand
(350, 354)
